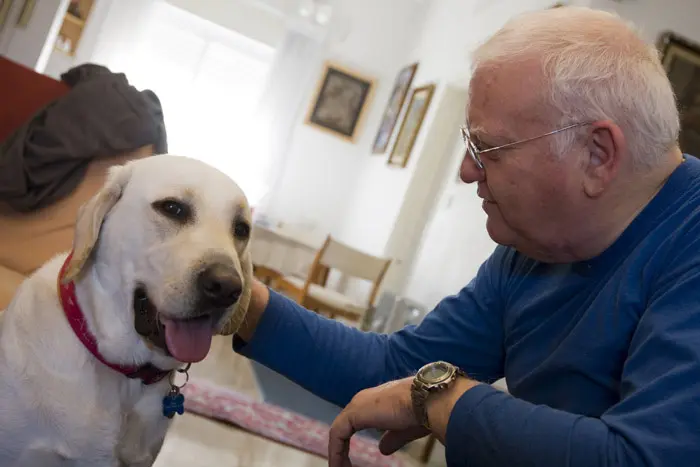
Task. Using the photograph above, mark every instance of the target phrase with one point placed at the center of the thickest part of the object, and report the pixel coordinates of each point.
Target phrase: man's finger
(339, 441)
(392, 441)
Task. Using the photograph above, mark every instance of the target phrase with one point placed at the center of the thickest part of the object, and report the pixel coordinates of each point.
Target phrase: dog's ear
(241, 307)
(90, 218)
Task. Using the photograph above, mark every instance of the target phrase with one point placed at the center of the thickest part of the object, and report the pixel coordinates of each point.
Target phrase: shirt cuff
(456, 436)
(267, 324)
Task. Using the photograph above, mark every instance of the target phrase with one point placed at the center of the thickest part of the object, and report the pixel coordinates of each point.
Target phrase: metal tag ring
(187, 377)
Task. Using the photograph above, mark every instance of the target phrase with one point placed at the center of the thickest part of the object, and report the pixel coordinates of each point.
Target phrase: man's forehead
(506, 98)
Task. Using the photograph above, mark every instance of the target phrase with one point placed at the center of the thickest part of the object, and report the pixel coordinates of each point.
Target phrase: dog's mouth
(187, 340)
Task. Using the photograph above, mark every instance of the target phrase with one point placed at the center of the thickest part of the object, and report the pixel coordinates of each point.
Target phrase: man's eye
(481, 146)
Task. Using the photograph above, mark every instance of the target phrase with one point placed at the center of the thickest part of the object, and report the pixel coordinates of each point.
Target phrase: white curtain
(228, 100)
(209, 80)
(283, 103)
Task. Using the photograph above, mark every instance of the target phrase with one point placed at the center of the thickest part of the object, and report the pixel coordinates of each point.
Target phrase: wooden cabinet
(73, 25)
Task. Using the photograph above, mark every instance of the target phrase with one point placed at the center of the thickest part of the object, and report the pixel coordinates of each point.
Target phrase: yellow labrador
(88, 345)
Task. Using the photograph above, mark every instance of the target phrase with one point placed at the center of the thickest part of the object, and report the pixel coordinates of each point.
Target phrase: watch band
(419, 397)
(421, 392)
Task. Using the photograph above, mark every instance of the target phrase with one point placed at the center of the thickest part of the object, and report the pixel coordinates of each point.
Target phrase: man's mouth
(187, 340)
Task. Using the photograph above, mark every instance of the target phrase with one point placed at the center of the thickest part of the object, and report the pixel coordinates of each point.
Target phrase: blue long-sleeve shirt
(601, 357)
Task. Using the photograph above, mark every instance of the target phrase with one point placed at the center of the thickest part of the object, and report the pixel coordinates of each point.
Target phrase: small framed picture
(412, 121)
(681, 59)
(393, 108)
(340, 101)
(26, 13)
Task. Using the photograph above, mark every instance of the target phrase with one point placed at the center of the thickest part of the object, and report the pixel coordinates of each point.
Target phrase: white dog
(160, 263)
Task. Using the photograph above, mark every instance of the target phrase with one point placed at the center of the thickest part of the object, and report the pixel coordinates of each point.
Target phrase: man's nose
(469, 172)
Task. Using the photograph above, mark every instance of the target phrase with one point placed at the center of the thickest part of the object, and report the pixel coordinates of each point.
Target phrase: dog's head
(173, 234)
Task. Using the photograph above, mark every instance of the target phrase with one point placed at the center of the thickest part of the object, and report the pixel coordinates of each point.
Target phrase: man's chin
(499, 231)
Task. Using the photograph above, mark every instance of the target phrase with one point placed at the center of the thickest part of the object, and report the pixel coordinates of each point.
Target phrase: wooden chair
(277, 253)
(353, 263)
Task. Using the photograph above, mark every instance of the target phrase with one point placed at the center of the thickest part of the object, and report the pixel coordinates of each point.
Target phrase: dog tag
(173, 403)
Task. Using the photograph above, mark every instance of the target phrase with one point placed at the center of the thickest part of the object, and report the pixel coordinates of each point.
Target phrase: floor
(195, 441)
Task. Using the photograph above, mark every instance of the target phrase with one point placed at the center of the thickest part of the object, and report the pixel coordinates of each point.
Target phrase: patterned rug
(277, 424)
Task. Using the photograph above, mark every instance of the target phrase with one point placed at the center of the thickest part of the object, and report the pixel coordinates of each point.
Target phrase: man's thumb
(392, 441)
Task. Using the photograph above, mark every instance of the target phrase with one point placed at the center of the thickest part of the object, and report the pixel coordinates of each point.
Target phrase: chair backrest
(336, 255)
(290, 255)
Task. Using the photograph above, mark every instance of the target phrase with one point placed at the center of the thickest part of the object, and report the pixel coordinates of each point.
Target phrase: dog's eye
(173, 209)
(241, 229)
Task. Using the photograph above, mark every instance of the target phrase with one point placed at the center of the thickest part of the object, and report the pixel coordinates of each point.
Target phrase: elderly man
(589, 306)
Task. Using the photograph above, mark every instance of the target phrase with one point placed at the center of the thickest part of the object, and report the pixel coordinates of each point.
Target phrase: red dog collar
(148, 373)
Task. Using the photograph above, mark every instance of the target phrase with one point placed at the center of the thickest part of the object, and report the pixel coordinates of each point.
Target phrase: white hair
(596, 67)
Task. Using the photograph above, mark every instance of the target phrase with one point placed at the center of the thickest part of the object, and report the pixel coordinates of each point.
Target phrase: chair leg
(428, 449)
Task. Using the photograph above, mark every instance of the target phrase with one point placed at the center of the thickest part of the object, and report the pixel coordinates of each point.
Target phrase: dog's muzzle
(218, 286)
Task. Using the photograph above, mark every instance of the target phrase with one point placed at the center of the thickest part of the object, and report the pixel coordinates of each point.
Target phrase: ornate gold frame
(401, 160)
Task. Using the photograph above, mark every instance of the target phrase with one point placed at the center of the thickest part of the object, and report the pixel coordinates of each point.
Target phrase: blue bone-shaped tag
(172, 404)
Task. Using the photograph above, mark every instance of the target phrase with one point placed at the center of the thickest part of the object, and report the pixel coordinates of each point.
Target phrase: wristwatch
(432, 378)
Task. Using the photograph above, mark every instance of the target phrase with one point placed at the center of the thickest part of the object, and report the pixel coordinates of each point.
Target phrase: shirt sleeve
(654, 424)
(335, 361)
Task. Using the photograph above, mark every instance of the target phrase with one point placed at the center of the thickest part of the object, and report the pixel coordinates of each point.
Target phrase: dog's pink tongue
(188, 341)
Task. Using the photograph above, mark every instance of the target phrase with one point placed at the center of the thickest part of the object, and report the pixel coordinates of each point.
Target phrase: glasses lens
(471, 148)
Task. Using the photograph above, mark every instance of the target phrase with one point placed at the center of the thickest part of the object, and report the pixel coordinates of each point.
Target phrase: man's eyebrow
(476, 130)
(481, 134)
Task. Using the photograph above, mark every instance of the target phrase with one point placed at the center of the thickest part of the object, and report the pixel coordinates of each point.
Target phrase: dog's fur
(58, 404)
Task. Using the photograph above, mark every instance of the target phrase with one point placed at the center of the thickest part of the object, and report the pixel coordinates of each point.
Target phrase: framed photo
(4, 11)
(340, 101)
(391, 114)
(681, 59)
(25, 14)
(412, 121)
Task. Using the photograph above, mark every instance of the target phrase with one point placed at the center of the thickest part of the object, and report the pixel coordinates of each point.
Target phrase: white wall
(654, 17)
(322, 172)
(32, 45)
(111, 21)
(259, 20)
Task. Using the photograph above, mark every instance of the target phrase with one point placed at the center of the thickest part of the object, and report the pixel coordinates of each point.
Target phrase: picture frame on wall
(411, 125)
(402, 84)
(26, 13)
(340, 101)
(681, 60)
(4, 11)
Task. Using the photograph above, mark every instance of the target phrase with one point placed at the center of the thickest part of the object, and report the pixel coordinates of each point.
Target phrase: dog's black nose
(219, 285)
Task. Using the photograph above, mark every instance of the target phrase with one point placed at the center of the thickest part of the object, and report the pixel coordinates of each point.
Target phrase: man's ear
(241, 308)
(607, 148)
(91, 215)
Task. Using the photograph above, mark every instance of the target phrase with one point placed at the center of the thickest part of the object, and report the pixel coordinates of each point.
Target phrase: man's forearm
(488, 427)
(332, 360)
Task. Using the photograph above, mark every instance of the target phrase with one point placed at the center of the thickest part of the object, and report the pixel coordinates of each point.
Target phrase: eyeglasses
(476, 153)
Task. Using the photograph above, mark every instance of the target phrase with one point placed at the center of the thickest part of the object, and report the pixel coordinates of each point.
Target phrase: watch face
(435, 372)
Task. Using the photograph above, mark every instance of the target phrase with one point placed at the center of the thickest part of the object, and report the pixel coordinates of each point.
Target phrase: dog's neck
(109, 317)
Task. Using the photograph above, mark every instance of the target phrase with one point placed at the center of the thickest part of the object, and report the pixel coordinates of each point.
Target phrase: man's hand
(386, 407)
(259, 297)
